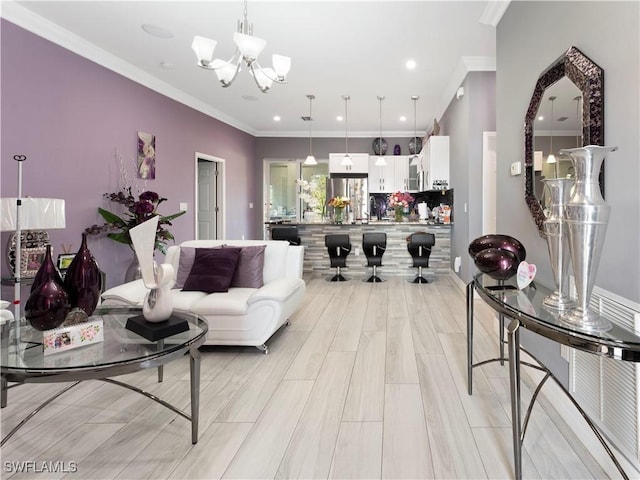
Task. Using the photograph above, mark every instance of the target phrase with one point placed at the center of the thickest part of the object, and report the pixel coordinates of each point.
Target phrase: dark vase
(48, 303)
(46, 270)
(497, 263)
(82, 280)
(502, 242)
(397, 150)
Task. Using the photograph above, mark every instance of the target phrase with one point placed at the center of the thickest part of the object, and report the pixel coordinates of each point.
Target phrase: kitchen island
(396, 260)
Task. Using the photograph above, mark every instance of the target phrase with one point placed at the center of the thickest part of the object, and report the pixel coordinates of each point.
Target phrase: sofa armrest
(295, 258)
(131, 293)
(279, 289)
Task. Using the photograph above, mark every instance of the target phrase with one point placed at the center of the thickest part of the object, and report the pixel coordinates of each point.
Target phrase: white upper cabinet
(396, 176)
(360, 163)
(435, 161)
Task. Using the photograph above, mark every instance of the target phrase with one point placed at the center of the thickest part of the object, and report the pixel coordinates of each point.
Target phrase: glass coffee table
(121, 352)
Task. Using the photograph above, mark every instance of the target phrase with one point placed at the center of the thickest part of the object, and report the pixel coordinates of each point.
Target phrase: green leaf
(168, 218)
(111, 217)
(120, 237)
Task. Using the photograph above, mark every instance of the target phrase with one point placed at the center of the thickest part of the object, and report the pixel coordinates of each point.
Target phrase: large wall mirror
(566, 110)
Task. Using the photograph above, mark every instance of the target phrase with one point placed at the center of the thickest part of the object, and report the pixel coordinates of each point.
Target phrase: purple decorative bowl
(502, 242)
(497, 263)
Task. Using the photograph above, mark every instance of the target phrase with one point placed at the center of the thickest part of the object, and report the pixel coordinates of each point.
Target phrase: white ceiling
(357, 48)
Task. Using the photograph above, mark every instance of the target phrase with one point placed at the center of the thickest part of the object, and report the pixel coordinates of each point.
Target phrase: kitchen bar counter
(396, 260)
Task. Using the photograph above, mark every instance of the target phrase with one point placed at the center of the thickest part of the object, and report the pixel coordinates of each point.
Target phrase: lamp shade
(281, 65)
(551, 158)
(249, 46)
(380, 162)
(310, 160)
(225, 71)
(264, 76)
(346, 161)
(35, 213)
(204, 50)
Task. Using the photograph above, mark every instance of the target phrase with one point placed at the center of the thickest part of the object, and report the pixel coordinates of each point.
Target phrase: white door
(489, 174)
(209, 200)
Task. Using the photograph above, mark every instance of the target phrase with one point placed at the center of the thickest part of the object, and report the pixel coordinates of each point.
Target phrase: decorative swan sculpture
(158, 303)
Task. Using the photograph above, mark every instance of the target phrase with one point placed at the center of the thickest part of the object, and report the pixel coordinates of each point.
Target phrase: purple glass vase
(46, 270)
(48, 303)
(82, 280)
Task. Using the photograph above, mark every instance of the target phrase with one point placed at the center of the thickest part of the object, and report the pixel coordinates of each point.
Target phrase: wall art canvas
(146, 156)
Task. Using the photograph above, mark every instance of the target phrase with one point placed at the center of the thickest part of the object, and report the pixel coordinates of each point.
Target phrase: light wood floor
(368, 381)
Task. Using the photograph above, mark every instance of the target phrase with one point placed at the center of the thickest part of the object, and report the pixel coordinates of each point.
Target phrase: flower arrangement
(339, 202)
(400, 201)
(137, 212)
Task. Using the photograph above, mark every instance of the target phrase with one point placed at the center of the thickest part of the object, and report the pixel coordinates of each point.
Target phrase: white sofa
(241, 316)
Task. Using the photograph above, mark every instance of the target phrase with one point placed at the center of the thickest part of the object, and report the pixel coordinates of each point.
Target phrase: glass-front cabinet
(294, 191)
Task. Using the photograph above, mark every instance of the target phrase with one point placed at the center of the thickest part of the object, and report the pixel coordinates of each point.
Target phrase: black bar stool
(419, 246)
(339, 247)
(288, 233)
(373, 246)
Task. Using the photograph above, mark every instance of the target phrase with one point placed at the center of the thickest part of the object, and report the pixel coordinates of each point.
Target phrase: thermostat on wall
(516, 168)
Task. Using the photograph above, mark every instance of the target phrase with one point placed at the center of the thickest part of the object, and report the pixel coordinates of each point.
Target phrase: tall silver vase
(586, 217)
(554, 227)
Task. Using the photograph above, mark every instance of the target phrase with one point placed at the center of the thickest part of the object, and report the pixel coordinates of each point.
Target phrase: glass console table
(525, 310)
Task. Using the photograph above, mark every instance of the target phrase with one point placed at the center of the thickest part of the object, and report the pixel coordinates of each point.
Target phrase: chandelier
(248, 48)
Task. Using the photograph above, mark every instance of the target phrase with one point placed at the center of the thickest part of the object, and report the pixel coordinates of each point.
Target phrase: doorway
(209, 197)
(489, 183)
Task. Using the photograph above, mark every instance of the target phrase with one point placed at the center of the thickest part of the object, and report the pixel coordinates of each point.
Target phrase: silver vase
(586, 217)
(555, 229)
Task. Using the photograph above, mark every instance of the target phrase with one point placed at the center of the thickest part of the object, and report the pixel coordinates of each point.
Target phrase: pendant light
(552, 158)
(414, 160)
(310, 160)
(380, 161)
(346, 161)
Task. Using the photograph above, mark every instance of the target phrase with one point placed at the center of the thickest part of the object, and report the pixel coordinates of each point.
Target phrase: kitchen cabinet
(360, 163)
(397, 176)
(435, 160)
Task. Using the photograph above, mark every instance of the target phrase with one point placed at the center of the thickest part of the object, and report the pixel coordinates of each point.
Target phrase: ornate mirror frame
(589, 78)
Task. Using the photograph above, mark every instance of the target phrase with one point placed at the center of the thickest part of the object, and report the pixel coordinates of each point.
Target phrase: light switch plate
(516, 168)
(184, 206)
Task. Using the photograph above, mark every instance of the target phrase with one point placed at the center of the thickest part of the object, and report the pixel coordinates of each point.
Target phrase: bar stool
(419, 246)
(373, 246)
(288, 233)
(339, 247)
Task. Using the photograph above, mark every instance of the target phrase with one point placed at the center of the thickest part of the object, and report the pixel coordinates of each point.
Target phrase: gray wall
(464, 121)
(530, 36)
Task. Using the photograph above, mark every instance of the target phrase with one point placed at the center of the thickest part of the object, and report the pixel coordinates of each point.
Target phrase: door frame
(220, 193)
(489, 182)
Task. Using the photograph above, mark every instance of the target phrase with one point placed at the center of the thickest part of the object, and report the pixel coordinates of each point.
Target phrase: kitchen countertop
(376, 222)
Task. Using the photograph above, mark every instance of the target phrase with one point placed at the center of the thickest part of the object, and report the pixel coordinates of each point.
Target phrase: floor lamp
(28, 217)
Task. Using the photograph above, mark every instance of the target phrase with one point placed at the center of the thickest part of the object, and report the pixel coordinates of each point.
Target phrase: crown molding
(493, 12)
(48, 30)
(332, 134)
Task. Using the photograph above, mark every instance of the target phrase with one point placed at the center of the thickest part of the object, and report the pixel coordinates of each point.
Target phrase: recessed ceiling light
(403, 118)
(250, 98)
(156, 31)
(540, 118)
(166, 65)
(411, 64)
(339, 118)
(276, 118)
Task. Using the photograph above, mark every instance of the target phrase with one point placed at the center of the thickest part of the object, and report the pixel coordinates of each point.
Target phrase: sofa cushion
(248, 273)
(212, 270)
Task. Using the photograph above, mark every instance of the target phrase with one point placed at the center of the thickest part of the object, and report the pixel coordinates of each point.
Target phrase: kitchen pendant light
(552, 158)
(346, 161)
(415, 159)
(380, 161)
(310, 160)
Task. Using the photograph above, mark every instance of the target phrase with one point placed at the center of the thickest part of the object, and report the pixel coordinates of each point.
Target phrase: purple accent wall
(68, 115)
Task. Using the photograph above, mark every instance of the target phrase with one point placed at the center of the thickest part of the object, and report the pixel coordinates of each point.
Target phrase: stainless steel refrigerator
(354, 187)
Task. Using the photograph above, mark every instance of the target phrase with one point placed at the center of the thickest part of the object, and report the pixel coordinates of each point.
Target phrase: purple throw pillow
(250, 265)
(187, 254)
(212, 270)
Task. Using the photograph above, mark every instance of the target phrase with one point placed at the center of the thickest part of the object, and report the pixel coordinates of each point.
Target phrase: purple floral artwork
(146, 156)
